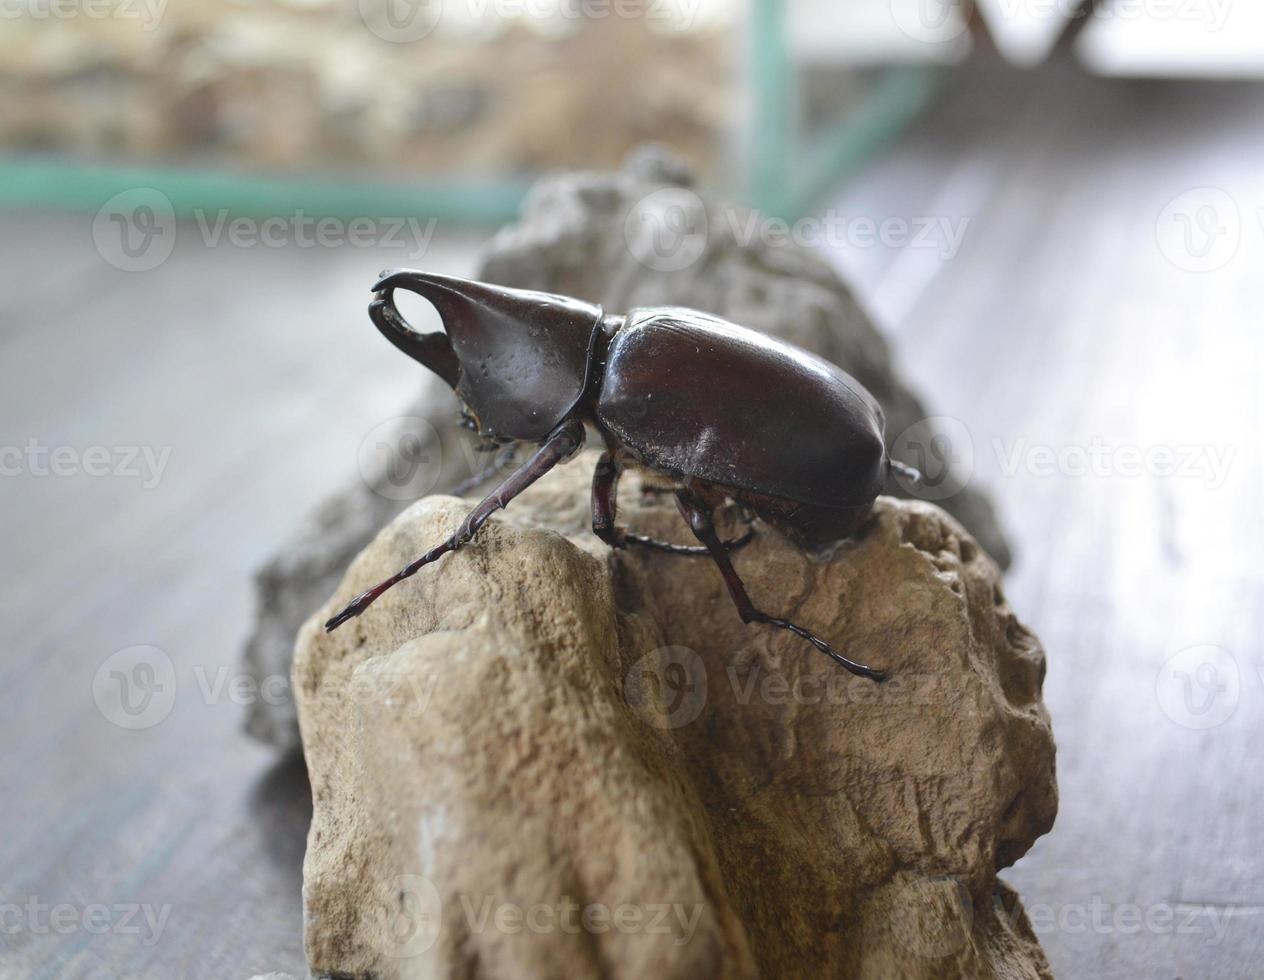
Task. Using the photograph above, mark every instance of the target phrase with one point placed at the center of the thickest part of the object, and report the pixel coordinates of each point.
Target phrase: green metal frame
(74, 185)
(777, 183)
(783, 177)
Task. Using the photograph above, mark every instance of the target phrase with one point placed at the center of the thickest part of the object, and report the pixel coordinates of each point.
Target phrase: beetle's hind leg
(605, 507)
(698, 515)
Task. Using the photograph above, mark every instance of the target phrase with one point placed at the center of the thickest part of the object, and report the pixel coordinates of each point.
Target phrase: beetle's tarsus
(694, 550)
(350, 612)
(699, 518)
(861, 670)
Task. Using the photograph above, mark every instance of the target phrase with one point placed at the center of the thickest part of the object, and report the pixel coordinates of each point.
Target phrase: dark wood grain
(1058, 321)
(1061, 322)
(254, 366)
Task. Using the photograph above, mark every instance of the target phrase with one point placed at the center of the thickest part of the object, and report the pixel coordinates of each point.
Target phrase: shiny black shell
(696, 396)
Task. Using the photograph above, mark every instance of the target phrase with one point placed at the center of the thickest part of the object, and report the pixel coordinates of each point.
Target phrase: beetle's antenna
(906, 471)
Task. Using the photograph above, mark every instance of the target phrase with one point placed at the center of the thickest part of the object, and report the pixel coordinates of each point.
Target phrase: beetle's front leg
(698, 514)
(560, 445)
(605, 493)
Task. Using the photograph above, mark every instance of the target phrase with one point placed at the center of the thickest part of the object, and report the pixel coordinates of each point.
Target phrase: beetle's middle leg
(698, 515)
(605, 494)
(561, 445)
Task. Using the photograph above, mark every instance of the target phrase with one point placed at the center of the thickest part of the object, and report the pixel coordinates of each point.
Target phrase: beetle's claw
(350, 612)
(391, 279)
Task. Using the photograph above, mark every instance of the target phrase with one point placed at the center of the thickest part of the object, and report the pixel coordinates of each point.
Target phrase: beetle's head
(518, 359)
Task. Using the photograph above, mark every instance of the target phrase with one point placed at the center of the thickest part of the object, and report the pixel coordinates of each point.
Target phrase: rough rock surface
(310, 566)
(636, 237)
(542, 758)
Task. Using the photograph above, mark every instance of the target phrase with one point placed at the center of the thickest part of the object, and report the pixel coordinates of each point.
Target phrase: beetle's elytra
(722, 411)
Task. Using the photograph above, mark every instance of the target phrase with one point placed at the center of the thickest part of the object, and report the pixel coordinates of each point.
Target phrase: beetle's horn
(434, 350)
(523, 356)
(479, 314)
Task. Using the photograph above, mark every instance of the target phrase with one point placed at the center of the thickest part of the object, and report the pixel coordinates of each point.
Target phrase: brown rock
(580, 235)
(542, 758)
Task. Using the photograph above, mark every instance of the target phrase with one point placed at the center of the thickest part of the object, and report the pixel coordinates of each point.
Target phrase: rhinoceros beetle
(721, 411)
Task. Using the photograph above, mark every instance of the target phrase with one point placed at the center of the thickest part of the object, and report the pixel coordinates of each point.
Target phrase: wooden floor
(1062, 323)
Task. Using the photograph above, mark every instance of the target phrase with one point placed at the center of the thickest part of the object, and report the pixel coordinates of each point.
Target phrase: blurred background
(196, 197)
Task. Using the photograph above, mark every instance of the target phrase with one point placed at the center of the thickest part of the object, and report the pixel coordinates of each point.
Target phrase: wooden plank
(1059, 323)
